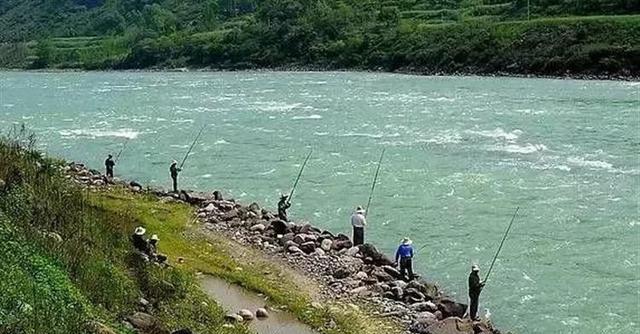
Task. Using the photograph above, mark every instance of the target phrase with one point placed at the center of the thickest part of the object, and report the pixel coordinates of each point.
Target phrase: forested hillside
(549, 37)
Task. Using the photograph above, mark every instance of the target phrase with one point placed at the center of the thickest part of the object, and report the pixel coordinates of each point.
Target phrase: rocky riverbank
(355, 274)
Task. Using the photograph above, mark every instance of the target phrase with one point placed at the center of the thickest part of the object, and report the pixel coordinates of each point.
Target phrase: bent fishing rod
(375, 180)
(122, 149)
(192, 145)
(501, 243)
(295, 184)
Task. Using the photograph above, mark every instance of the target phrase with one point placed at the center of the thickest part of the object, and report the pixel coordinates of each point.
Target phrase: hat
(360, 210)
(155, 237)
(475, 267)
(284, 196)
(110, 156)
(140, 230)
(406, 241)
(174, 162)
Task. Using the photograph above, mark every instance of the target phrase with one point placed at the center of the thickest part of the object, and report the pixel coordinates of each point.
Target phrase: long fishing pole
(501, 243)
(295, 184)
(192, 145)
(373, 186)
(122, 149)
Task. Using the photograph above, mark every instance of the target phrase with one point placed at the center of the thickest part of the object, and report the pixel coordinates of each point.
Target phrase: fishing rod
(295, 184)
(192, 145)
(373, 186)
(501, 243)
(122, 149)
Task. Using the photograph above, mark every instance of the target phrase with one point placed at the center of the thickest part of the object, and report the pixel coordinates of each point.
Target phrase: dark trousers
(175, 184)
(473, 305)
(358, 236)
(109, 172)
(406, 265)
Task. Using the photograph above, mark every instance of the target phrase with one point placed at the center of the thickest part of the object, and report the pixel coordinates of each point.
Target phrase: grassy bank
(67, 266)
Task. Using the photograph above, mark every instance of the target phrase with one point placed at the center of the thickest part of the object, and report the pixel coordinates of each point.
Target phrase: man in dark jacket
(475, 287)
(138, 240)
(283, 205)
(109, 163)
(405, 255)
(174, 170)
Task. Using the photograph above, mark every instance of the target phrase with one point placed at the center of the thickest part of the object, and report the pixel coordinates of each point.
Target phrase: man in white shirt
(358, 221)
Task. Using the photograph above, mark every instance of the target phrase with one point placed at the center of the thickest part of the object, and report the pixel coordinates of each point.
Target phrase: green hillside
(544, 37)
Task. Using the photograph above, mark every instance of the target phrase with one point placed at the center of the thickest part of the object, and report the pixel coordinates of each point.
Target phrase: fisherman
(405, 255)
(358, 221)
(174, 169)
(153, 250)
(109, 163)
(283, 205)
(138, 240)
(475, 286)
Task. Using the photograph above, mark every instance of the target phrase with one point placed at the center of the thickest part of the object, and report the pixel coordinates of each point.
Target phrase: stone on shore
(262, 313)
(246, 314)
(453, 325)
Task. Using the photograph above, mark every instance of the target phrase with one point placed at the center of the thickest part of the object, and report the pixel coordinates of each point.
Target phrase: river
(461, 154)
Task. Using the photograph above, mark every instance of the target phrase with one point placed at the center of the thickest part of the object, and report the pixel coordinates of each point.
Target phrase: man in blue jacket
(405, 255)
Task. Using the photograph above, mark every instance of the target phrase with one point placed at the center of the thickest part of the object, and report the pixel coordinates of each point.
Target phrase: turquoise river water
(461, 154)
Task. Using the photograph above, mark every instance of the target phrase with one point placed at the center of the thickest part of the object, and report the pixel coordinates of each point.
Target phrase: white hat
(475, 267)
(140, 230)
(406, 241)
(173, 162)
(155, 237)
(360, 210)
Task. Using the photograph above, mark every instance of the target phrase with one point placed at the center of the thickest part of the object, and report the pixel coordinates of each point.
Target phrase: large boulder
(377, 258)
(382, 275)
(340, 244)
(450, 308)
(280, 227)
(326, 244)
(246, 314)
(308, 247)
(429, 290)
(453, 325)
(146, 323)
(422, 322)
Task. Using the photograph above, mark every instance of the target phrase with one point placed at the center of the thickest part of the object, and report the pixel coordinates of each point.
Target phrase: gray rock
(382, 276)
(294, 249)
(326, 244)
(392, 271)
(257, 227)
(424, 306)
(246, 314)
(361, 275)
(210, 207)
(320, 252)
(233, 317)
(255, 208)
(353, 251)
(308, 247)
(262, 313)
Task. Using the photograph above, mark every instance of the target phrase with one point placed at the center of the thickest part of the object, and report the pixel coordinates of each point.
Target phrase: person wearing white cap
(405, 255)
(475, 287)
(138, 240)
(153, 249)
(174, 170)
(358, 221)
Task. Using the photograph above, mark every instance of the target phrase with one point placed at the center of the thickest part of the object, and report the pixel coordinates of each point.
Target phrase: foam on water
(95, 133)
(315, 116)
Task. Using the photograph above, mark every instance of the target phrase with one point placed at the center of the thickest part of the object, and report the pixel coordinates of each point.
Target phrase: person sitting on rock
(283, 205)
(358, 221)
(109, 163)
(174, 170)
(138, 240)
(153, 250)
(475, 287)
(405, 255)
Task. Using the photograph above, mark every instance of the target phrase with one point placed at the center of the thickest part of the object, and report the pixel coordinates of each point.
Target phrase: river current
(461, 154)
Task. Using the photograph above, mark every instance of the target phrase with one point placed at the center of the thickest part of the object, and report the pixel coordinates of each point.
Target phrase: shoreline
(312, 69)
(360, 275)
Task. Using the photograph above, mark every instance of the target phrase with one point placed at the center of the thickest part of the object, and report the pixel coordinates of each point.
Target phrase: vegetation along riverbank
(548, 38)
